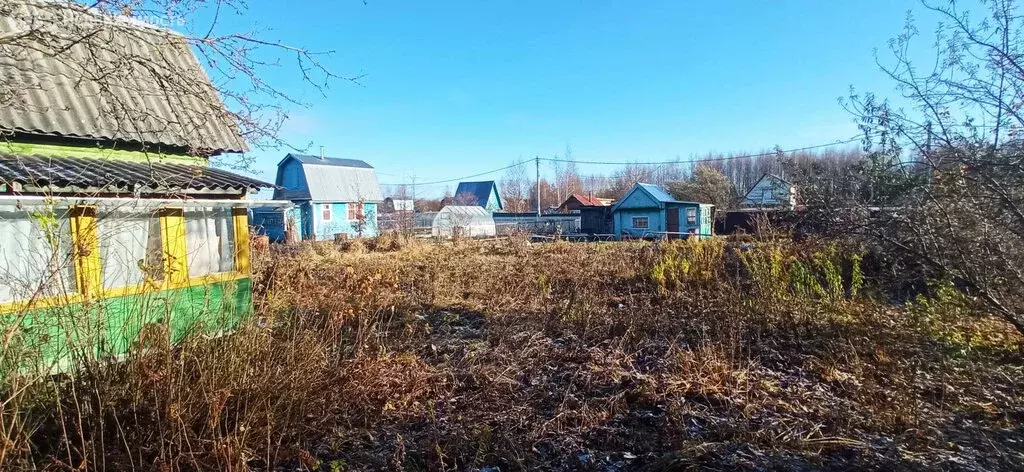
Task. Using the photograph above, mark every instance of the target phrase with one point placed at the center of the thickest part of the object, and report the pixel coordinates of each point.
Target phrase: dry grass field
(512, 356)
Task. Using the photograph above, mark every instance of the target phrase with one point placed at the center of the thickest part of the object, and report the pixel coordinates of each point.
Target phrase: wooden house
(576, 201)
(332, 196)
(648, 211)
(482, 194)
(110, 214)
(770, 191)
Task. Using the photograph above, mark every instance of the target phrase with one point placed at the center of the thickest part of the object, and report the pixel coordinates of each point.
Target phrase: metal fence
(545, 224)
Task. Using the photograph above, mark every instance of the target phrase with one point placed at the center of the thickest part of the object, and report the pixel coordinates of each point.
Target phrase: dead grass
(388, 354)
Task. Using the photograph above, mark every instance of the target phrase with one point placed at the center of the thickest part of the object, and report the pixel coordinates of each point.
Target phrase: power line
(690, 161)
(708, 159)
(459, 179)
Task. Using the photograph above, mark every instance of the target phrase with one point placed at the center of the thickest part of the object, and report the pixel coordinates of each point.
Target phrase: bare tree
(515, 188)
(705, 185)
(944, 180)
(144, 51)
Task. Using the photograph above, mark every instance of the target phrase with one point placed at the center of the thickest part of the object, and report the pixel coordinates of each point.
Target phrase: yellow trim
(89, 272)
(86, 254)
(241, 219)
(39, 303)
(172, 229)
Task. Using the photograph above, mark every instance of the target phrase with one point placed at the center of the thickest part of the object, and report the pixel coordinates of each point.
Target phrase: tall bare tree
(945, 177)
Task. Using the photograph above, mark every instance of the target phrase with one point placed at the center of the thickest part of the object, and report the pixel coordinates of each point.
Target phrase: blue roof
(327, 161)
(659, 193)
(481, 191)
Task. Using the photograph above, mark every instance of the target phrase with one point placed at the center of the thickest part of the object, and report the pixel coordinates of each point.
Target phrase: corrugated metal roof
(659, 193)
(481, 191)
(327, 161)
(44, 171)
(88, 75)
(587, 200)
(331, 180)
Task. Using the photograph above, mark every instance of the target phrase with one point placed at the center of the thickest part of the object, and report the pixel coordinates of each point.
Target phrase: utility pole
(537, 160)
(414, 193)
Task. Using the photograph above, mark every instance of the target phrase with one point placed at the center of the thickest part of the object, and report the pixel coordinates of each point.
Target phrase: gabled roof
(119, 176)
(770, 176)
(79, 73)
(331, 180)
(326, 161)
(481, 191)
(658, 194)
(587, 200)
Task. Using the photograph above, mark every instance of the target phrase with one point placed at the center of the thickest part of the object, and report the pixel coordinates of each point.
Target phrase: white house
(770, 191)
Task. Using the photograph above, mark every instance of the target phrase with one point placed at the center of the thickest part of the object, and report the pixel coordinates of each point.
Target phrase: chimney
(321, 153)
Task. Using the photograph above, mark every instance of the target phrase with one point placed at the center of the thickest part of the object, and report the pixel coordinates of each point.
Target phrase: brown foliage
(559, 356)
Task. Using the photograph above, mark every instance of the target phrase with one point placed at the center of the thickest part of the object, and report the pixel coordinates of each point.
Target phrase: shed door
(672, 221)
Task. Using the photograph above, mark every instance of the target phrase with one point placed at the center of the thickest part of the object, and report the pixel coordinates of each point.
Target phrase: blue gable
(485, 194)
(643, 212)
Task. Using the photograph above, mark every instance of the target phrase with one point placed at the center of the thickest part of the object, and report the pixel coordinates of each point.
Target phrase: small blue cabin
(482, 194)
(331, 196)
(648, 211)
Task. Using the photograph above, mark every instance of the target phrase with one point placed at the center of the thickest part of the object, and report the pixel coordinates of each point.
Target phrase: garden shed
(110, 213)
(463, 221)
(649, 211)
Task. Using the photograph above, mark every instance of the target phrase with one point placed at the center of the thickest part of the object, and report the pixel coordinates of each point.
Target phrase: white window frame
(326, 212)
(691, 216)
(646, 222)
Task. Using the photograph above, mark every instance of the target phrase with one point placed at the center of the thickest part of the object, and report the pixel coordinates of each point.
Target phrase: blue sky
(455, 88)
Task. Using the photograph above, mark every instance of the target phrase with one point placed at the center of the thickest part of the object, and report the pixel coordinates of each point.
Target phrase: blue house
(483, 194)
(332, 196)
(648, 211)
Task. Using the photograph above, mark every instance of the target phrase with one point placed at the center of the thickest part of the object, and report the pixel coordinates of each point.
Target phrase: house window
(209, 241)
(355, 211)
(691, 216)
(131, 248)
(640, 222)
(325, 209)
(36, 254)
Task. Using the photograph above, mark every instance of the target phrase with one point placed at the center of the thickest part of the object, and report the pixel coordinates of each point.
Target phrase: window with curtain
(131, 247)
(209, 241)
(36, 253)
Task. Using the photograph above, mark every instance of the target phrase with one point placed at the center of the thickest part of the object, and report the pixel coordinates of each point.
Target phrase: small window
(640, 222)
(691, 216)
(131, 248)
(325, 208)
(209, 241)
(355, 211)
(36, 255)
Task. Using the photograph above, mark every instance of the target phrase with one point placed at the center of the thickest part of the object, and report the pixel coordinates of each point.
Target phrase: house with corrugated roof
(649, 211)
(109, 209)
(332, 196)
(576, 201)
(482, 194)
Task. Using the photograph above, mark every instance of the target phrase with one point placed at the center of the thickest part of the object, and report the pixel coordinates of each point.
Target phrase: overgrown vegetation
(381, 355)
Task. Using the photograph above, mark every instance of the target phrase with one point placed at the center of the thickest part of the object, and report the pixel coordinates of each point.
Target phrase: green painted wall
(52, 339)
(99, 153)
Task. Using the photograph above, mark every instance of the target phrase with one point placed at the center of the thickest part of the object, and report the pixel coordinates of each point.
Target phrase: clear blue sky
(454, 88)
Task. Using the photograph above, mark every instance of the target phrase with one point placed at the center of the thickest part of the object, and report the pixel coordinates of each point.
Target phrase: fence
(545, 224)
